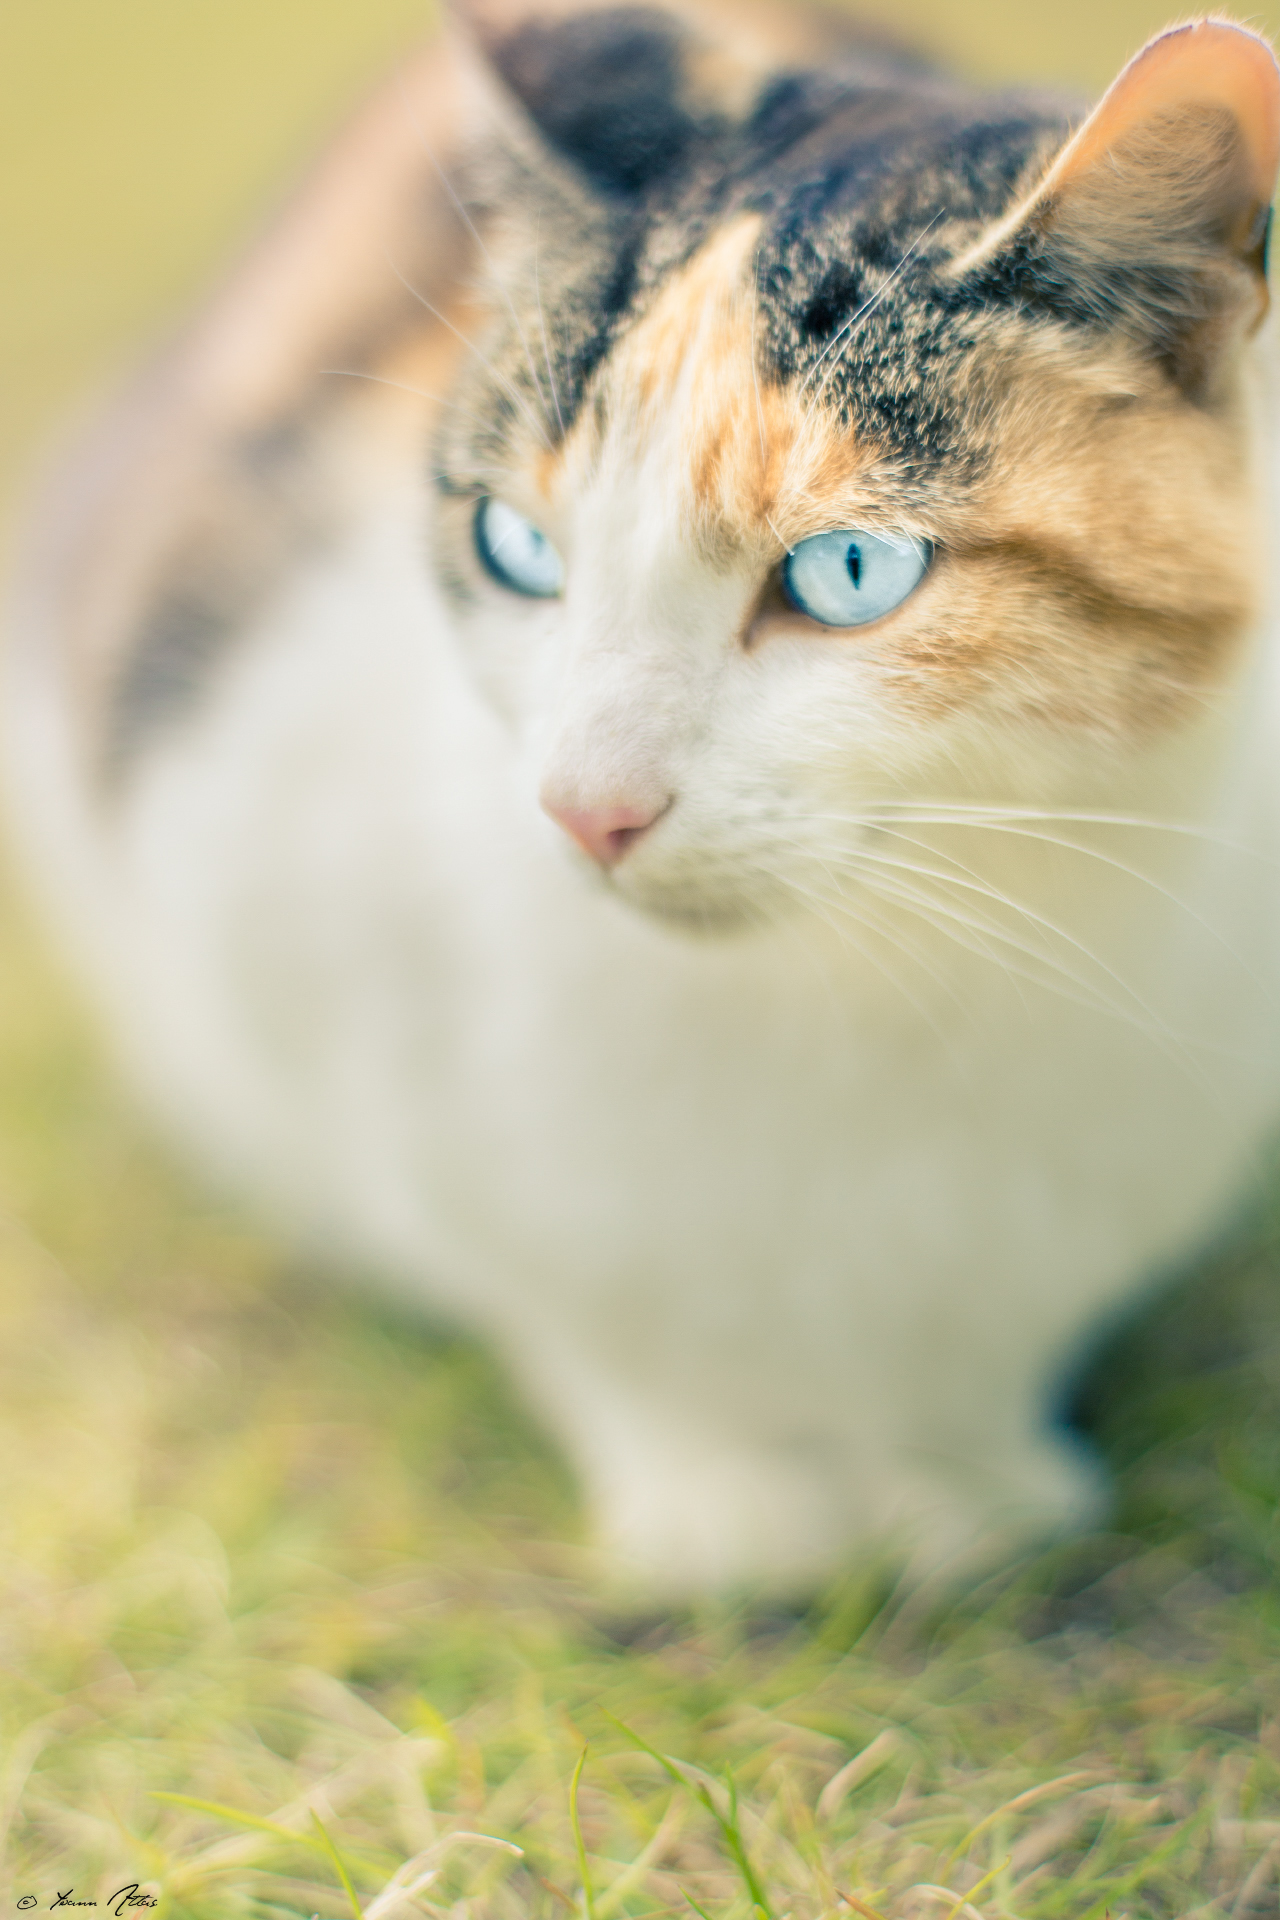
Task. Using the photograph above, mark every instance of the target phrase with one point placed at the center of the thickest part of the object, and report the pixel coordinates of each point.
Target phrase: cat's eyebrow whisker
(870, 307)
(755, 372)
(403, 386)
(867, 307)
(508, 386)
(460, 208)
(542, 324)
(788, 549)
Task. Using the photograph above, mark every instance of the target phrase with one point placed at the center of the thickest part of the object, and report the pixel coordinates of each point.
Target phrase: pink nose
(606, 833)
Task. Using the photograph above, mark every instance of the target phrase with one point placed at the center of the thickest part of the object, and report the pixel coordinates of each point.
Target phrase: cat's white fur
(790, 1231)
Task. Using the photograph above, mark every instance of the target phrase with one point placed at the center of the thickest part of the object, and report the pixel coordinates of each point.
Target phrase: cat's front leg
(682, 1506)
(686, 1510)
(690, 1497)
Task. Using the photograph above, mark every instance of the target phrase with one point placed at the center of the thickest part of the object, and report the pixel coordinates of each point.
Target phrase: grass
(297, 1618)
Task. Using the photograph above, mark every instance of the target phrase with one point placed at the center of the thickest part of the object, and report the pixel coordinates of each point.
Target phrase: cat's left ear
(1155, 215)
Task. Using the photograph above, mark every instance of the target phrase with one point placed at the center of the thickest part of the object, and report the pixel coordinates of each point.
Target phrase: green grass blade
(729, 1825)
(584, 1874)
(963, 1899)
(673, 1769)
(339, 1866)
(700, 1911)
(239, 1819)
(858, 1905)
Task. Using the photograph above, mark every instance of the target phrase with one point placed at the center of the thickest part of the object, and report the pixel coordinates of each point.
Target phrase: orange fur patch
(761, 464)
(1096, 571)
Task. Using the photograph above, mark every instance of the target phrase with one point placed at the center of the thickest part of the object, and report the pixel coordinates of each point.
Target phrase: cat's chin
(712, 911)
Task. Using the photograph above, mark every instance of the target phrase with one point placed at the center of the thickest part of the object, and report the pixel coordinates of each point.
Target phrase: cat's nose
(606, 833)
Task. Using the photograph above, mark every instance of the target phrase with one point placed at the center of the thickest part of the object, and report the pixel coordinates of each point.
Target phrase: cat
(662, 724)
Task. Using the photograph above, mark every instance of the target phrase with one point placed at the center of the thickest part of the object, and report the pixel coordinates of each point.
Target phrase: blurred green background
(140, 138)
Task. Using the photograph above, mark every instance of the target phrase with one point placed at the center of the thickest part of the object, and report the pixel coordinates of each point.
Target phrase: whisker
(961, 812)
(867, 307)
(967, 879)
(755, 372)
(1121, 866)
(869, 866)
(501, 379)
(1011, 822)
(946, 917)
(461, 210)
(542, 325)
(789, 550)
(822, 908)
(1131, 1008)
(888, 929)
(838, 898)
(943, 917)
(402, 386)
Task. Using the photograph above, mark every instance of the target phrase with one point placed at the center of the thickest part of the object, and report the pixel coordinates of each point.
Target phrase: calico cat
(663, 723)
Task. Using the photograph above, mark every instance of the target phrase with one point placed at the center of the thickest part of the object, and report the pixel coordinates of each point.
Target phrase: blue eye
(846, 579)
(516, 553)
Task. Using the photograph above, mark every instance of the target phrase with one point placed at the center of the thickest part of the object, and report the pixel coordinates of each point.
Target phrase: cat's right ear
(625, 94)
(603, 89)
(1153, 218)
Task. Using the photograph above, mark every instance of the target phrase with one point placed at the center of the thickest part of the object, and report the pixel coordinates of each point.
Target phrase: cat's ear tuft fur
(1154, 216)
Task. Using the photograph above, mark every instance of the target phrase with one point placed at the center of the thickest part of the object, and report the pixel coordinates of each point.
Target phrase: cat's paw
(715, 1520)
(958, 1515)
(707, 1519)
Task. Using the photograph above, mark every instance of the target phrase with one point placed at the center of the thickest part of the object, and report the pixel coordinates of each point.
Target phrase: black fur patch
(166, 670)
(605, 89)
(264, 511)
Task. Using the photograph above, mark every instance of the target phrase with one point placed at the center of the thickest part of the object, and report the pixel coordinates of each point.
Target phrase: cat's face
(785, 481)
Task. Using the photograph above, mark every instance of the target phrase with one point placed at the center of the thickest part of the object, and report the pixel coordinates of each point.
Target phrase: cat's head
(838, 432)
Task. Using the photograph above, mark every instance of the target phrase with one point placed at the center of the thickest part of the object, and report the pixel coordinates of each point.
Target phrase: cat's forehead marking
(665, 354)
(749, 457)
(855, 188)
